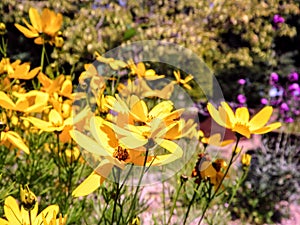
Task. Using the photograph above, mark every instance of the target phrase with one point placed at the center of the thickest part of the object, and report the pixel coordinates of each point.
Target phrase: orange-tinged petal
(28, 33)
(207, 170)
(35, 19)
(140, 111)
(268, 128)
(39, 41)
(12, 211)
(100, 136)
(242, 115)
(261, 118)
(6, 102)
(215, 115)
(20, 71)
(32, 73)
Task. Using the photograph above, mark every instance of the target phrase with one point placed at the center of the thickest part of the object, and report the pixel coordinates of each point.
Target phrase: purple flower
(293, 76)
(278, 19)
(284, 107)
(241, 98)
(242, 81)
(274, 78)
(264, 101)
(289, 120)
(294, 87)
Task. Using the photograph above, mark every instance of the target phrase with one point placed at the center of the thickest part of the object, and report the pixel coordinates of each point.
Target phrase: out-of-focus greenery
(226, 34)
(262, 197)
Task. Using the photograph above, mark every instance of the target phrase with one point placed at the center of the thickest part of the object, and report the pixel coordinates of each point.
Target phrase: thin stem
(174, 202)
(30, 220)
(117, 179)
(190, 204)
(43, 57)
(137, 188)
(220, 184)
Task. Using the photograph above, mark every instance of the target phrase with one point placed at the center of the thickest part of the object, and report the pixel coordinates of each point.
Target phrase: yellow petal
(268, 128)
(35, 19)
(47, 213)
(140, 111)
(100, 136)
(89, 144)
(90, 184)
(28, 33)
(12, 211)
(261, 118)
(133, 141)
(20, 71)
(215, 115)
(242, 115)
(3, 222)
(207, 170)
(229, 112)
(170, 146)
(55, 118)
(32, 73)
(17, 141)
(6, 102)
(25, 216)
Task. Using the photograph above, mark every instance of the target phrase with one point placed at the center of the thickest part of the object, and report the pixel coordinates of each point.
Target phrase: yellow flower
(140, 88)
(7, 67)
(142, 73)
(43, 27)
(28, 198)
(181, 81)
(214, 139)
(11, 138)
(22, 72)
(2, 29)
(33, 101)
(113, 63)
(213, 171)
(239, 121)
(20, 216)
(246, 159)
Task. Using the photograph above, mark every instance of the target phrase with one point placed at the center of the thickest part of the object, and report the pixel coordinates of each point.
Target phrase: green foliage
(272, 179)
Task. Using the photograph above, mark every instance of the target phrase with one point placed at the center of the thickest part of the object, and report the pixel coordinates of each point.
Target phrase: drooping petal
(261, 118)
(6, 102)
(12, 211)
(17, 141)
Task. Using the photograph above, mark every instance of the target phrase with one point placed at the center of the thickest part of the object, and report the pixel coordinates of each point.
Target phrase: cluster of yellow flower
(122, 129)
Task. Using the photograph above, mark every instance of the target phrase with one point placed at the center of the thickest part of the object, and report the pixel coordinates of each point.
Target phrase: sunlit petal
(261, 118)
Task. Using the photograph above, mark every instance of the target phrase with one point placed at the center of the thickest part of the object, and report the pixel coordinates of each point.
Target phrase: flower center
(121, 154)
(242, 129)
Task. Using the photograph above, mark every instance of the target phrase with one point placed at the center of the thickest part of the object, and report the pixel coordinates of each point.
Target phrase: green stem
(132, 205)
(174, 202)
(220, 184)
(238, 185)
(43, 57)
(116, 197)
(190, 204)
